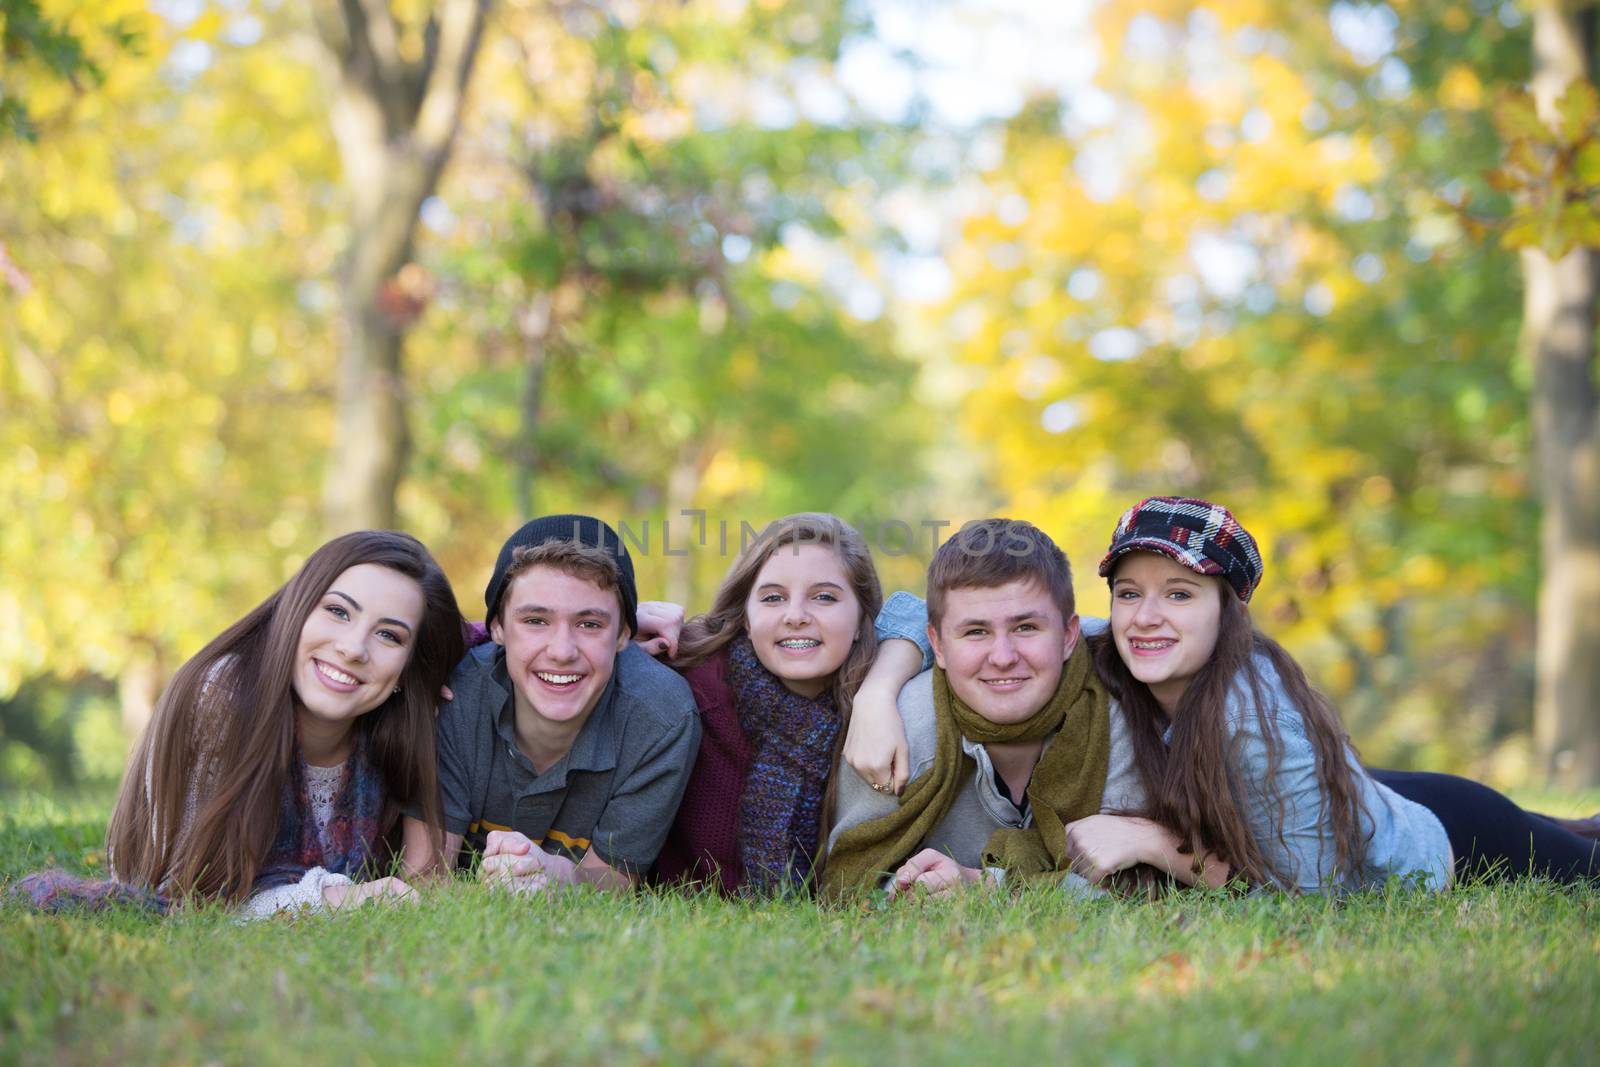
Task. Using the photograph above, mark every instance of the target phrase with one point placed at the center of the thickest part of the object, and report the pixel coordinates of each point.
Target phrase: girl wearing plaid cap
(1243, 759)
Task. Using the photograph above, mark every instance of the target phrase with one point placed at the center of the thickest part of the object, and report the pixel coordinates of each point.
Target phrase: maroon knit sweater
(703, 844)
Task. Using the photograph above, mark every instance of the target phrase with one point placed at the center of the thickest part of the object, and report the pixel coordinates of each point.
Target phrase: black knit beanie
(581, 529)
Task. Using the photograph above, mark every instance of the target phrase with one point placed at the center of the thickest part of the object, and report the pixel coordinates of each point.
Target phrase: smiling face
(356, 643)
(802, 616)
(1164, 619)
(562, 634)
(1002, 647)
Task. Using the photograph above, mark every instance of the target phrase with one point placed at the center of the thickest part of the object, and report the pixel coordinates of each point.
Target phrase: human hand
(509, 856)
(1101, 845)
(876, 748)
(660, 625)
(527, 885)
(475, 633)
(351, 894)
(931, 871)
(507, 842)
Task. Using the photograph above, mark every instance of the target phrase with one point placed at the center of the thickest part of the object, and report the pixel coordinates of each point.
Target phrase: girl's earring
(397, 689)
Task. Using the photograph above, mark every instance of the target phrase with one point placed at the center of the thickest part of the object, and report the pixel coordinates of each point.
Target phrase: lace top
(322, 787)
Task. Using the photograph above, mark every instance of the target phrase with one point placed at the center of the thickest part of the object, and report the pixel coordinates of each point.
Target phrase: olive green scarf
(1067, 784)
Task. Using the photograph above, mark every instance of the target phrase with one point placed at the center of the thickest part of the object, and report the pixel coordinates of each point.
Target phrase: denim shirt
(1403, 837)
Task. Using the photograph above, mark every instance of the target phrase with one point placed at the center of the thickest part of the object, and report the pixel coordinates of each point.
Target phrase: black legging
(1491, 836)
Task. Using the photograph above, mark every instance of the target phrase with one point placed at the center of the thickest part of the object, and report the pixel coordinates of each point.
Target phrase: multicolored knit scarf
(55, 891)
(352, 835)
(791, 754)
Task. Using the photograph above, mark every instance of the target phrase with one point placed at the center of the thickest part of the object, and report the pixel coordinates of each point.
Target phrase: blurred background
(273, 269)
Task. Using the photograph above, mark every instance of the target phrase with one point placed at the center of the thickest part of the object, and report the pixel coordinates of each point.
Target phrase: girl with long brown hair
(774, 666)
(274, 770)
(1244, 760)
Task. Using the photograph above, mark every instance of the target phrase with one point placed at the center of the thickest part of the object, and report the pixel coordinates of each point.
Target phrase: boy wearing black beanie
(566, 748)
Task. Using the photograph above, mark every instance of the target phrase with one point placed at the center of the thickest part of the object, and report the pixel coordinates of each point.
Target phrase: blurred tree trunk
(398, 93)
(138, 686)
(536, 328)
(1560, 301)
(689, 536)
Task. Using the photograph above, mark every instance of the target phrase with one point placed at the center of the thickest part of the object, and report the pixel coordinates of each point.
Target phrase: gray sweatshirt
(979, 809)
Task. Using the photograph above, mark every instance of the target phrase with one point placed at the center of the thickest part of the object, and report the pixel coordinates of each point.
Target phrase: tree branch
(333, 29)
(391, 79)
(460, 24)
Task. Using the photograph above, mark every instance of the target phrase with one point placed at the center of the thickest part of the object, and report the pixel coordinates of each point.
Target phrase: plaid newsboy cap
(1197, 534)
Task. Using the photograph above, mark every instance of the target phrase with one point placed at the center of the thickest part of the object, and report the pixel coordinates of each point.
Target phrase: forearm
(897, 662)
(424, 852)
(591, 870)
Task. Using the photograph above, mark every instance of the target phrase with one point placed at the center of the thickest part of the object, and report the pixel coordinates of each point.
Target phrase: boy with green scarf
(1011, 735)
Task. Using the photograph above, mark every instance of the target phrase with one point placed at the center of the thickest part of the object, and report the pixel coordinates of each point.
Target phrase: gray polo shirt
(616, 791)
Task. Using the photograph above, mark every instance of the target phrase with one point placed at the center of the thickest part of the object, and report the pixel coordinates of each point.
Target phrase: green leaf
(1517, 119)
(1586, 230)
(1522, 233)
(1586, 164)
(1579, 108)
(1526, 162)
(1554, 236)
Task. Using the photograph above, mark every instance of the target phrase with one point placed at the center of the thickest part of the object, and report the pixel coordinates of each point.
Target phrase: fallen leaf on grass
(875, 1000)
(1172, 973)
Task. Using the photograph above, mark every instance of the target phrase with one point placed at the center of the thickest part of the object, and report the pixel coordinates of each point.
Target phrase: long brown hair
(232, 706)
(706, 635)
(1193, 778)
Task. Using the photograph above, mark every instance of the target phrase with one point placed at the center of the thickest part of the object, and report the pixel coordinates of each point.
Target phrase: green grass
(1480, 975)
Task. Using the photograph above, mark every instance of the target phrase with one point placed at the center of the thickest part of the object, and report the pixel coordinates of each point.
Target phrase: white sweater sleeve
(304, 895)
